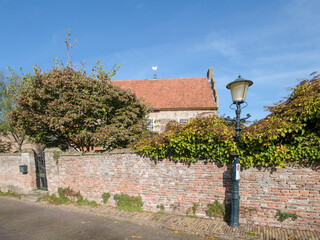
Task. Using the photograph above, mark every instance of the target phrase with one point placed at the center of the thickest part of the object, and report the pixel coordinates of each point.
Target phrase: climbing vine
(289, 135)
(201, 138)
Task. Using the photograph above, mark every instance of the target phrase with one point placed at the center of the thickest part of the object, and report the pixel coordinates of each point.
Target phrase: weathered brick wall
(291, 190)
(178, 186)
(10, 176)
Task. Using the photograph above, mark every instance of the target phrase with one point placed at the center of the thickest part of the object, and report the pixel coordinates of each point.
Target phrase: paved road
(32, 221)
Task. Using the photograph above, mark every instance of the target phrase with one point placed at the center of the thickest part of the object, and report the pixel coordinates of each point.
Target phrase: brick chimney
(210, 74)
(213, 85)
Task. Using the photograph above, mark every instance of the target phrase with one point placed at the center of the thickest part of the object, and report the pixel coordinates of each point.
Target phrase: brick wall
(10, 176)
(178, 186)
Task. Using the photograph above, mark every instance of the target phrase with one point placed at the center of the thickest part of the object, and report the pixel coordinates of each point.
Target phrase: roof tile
(172, 93)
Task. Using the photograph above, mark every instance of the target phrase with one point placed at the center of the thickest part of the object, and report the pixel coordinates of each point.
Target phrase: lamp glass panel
(239, 91)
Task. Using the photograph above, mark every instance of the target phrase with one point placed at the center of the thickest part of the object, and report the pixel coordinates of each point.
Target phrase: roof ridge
(174, 93)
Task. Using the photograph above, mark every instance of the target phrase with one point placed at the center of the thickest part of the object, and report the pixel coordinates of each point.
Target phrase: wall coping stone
(52, 150)
(28, 150)
(80, 153)
(10, 154)
(120, 151)
(271, 169)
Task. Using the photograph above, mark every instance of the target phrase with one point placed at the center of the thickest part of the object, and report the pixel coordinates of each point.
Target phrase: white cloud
(214, 44)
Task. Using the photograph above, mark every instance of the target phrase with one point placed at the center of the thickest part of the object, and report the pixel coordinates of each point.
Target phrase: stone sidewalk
(208, 228)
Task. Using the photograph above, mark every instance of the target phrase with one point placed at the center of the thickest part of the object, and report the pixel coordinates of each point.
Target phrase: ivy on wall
(290, 134)
(201, 138)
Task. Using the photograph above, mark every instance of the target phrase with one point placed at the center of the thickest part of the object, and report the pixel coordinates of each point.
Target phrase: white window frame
(150, 125)
(183, 120)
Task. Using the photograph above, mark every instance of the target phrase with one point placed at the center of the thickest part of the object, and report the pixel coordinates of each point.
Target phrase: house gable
(178, 99)
(172, 93)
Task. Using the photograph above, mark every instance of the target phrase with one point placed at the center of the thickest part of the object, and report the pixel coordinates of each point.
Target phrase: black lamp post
(238, 88)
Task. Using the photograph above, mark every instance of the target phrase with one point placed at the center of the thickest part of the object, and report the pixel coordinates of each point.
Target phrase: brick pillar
(52, 168)
(29, 179)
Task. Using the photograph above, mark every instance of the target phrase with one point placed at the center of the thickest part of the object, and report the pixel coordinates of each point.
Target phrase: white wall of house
(160, 119)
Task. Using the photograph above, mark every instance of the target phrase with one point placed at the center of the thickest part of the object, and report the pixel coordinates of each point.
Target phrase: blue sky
(273, 43)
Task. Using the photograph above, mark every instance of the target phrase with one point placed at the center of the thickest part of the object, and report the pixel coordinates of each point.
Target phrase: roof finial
(155, 69)
(239, 76)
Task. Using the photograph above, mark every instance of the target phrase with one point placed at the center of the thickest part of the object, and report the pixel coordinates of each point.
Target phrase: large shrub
(66, 108)
(207, 138)
(10, 88)
(290, 134)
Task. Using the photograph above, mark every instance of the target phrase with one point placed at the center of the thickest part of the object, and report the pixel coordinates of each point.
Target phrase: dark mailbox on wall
(23, 169)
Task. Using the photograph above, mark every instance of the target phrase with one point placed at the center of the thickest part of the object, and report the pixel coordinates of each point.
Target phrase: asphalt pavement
(29, 220)
(32, 221)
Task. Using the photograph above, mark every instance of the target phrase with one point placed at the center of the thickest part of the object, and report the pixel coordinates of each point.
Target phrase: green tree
(66, 108)
(291, 133)
(10, 88)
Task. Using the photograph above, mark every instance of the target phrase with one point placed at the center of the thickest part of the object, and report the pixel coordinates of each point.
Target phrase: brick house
(178, 99)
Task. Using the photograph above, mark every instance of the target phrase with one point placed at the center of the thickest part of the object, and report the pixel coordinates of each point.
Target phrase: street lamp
(238, 88)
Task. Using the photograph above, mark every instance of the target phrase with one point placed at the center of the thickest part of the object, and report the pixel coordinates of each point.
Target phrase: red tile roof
(172, 93)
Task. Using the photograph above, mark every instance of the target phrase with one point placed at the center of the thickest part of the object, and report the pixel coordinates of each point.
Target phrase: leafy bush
(68, 196)
(10, 88)
(66, 108)
(10, 194)
(105, 197)
(281, 216)
(68, 192)
(216, 209)
(194, 208)
(83, 201)
(128, 203)
(289, 135)
(207, 138)
(161, 207)
(53, 199)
